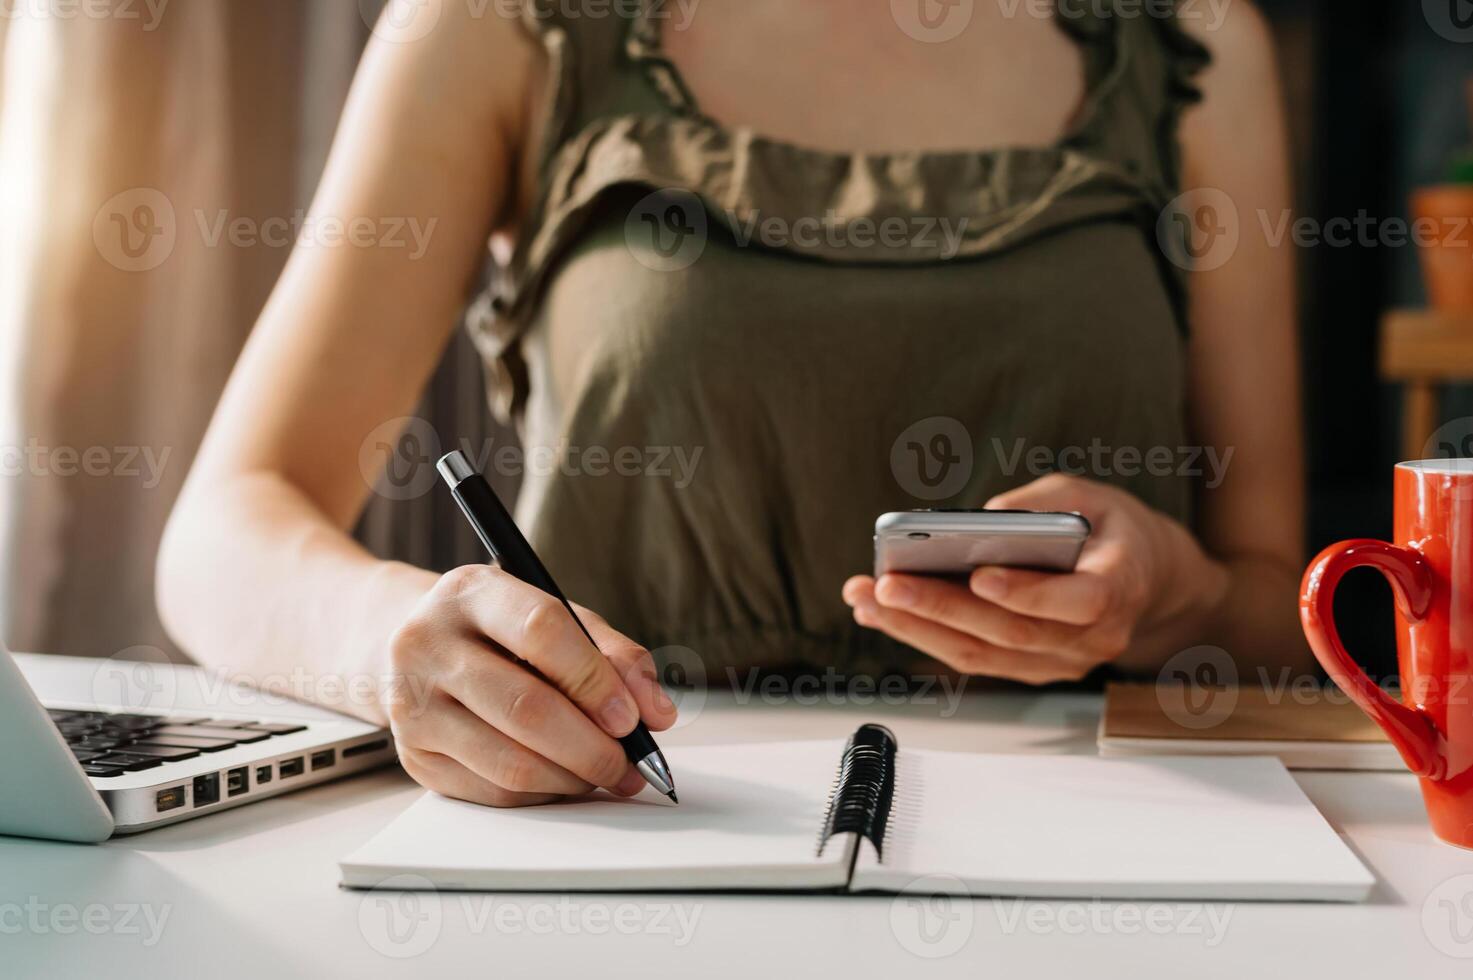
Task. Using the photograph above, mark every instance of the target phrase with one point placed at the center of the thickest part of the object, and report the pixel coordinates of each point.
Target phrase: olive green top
(728, 355)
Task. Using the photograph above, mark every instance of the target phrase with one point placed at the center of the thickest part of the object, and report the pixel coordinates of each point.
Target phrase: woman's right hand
(473, 723)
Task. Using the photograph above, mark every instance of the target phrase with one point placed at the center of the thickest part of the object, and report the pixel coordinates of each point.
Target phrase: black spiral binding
(865, 788)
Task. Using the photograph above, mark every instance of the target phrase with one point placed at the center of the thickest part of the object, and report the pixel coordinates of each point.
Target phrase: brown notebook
(1327, 732)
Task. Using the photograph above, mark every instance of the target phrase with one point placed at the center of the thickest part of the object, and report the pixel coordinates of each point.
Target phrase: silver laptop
(93, 748)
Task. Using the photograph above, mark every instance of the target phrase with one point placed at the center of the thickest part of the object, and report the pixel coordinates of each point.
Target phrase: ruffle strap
(990, 202)
(1120, 161)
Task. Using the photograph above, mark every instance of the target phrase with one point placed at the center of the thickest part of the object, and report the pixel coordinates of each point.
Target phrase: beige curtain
(124, 142)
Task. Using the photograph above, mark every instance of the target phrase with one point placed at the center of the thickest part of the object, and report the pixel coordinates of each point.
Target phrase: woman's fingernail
(617, 716)
(662, 700)
(990, 583)
(897, 593)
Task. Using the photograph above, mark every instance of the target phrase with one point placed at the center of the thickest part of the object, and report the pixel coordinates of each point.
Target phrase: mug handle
(1410, 577)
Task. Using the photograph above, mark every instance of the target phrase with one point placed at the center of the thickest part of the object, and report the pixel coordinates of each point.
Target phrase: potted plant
(1444, 217)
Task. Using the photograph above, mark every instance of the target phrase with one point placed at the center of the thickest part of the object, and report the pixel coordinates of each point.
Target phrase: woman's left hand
(1139, 570)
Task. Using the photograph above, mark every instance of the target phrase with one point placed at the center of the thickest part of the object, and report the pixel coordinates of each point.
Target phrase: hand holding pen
(544, 722)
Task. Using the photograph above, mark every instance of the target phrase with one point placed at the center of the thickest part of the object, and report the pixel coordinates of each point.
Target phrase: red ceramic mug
(1430, 569)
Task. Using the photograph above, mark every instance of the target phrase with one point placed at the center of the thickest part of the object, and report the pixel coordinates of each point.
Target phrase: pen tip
(673, 797)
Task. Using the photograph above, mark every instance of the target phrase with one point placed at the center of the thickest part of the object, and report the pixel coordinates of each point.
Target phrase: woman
(789, 350)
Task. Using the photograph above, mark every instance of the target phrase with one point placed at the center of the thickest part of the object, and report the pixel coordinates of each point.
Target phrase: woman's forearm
(254, 581)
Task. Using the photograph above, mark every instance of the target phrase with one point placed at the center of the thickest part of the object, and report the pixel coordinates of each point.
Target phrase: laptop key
(111, 731)
(92, 769)
(278, 728)
(132, 721)
(100, 744)
(130, 763)
(83, 718)
(166, 753)
(189, 742)
(231, 723)
(244, 735)
(83, 756)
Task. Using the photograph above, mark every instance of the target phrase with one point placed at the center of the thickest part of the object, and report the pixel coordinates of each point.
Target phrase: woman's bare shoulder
(1240, 88)
(457, 65)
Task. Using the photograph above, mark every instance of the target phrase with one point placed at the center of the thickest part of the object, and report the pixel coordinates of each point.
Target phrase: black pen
(499, 533)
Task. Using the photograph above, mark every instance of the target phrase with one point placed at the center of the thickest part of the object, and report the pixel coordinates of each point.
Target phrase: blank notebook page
(750, 817)
(1076, 826)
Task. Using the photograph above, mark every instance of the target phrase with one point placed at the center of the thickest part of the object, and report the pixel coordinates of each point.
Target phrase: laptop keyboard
(110, 744)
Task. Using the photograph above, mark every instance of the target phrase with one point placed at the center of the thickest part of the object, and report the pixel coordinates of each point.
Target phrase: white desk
(253, 893)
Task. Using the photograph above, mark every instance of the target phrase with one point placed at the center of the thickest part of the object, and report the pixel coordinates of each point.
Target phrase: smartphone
(954, 542)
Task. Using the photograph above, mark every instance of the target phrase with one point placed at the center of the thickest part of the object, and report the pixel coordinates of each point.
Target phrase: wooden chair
(1423, 349)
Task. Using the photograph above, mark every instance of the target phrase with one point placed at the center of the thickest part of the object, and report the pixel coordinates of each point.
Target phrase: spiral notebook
(867, 816)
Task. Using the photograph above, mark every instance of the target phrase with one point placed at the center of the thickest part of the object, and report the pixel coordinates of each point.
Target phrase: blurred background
(154, 156)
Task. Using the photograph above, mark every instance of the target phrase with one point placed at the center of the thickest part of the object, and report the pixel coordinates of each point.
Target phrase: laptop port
(263, 775)
(291, 767)
(323, 759)
(206, 790)
(169, 799)
(362, 747)
(237, 781)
